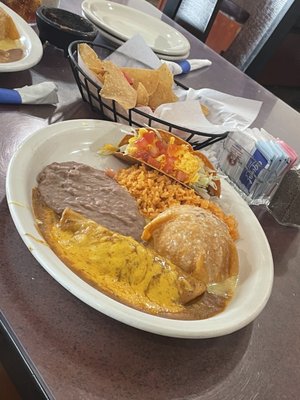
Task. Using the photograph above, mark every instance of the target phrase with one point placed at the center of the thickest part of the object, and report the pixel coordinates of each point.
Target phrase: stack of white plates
(119, 23)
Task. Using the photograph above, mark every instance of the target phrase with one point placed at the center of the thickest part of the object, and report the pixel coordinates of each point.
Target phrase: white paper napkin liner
(135, 51)
(232, 112)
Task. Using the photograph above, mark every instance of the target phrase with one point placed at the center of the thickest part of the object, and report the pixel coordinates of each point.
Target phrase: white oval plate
(78, 140)
(31, 44)
(124, 22)
(119, 42)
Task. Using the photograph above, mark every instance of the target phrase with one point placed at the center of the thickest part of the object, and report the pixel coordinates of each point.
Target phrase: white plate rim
(224, 323)
(86, 8)
(119, 42)
(35, 50)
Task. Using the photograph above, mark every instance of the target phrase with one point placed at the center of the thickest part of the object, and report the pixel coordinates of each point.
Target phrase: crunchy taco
(172, 156)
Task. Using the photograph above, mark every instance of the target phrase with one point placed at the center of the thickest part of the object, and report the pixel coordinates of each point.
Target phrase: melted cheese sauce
(119, 266)
(7, 44)
(116, 264)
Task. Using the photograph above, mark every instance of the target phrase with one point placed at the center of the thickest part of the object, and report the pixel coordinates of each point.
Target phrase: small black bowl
(61, 27)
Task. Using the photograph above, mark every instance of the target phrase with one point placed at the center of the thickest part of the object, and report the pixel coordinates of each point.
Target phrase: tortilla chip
(142, 95)
(164, 91)
(130, 86)
(148, 77)
(91, 60)
(162, 95)
(165, 74)
(116, 87)
(204, 109)
(8, 29)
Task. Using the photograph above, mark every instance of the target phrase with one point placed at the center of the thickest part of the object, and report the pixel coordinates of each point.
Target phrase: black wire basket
(135, 117)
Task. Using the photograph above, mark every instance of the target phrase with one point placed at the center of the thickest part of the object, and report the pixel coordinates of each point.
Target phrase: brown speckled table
(78, 353)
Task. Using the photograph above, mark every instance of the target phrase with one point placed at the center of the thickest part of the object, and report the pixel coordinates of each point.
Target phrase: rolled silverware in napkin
(185, 66)
(42, 93)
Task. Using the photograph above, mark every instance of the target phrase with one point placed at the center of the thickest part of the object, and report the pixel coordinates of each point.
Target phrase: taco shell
(166, 137)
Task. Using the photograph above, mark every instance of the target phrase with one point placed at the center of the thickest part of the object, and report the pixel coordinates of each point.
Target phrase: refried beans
(92, 193)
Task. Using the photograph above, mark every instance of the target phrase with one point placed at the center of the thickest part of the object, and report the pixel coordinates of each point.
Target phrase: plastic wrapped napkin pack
(254, 162)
